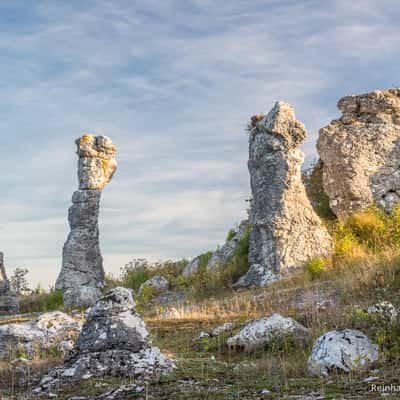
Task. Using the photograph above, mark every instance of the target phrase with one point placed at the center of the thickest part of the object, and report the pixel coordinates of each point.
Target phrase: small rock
(201, 335)
(385, 309)
(345, 350)
(260, 332)
(227, 326)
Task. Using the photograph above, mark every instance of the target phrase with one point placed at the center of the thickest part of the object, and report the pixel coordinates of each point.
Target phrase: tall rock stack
(8, 299)
(360, 152)
(285, 231)
(82, 274)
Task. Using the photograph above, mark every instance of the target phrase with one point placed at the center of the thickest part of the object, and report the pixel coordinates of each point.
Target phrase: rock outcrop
(8, 299)
(285, 230)
(158, 284)
(346, 350)
(114, 341)
(360, 153)
(222, 256)
(257, 334)
(32, 338)
(82, 274)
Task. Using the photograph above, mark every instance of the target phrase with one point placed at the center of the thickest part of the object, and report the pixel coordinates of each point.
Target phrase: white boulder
(384, 309)
(260, 332)
(346, 350)
(31, 338)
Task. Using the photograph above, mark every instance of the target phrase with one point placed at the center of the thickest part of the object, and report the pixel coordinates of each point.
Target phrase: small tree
(19, 282)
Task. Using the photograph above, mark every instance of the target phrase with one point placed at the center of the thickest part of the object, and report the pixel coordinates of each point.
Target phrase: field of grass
(328, 294)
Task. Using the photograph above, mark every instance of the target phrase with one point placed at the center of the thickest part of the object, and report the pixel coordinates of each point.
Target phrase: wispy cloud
(173, 84)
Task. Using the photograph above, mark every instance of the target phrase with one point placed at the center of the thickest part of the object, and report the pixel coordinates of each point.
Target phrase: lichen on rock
(82, 274)
(114, 341)
(285, 231)
(8, 298)
(360, 153)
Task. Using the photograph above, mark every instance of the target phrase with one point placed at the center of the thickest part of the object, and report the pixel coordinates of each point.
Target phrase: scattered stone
(157, 283)
(384, 309)
(8, 299)
(33, 337)
(360, 153)
(201, 335)
(285, 230)
(222, 256)
(258, 333)
(82, 274)
(345, 350)
(226, 327)
(114, 341)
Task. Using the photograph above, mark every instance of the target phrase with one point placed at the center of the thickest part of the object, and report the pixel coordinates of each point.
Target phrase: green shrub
(231, 234)
(42, 302)
(144, 297)
(370, 228)
(316, 267)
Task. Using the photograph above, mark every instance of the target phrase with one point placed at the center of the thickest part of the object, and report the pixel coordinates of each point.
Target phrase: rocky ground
(207, 368)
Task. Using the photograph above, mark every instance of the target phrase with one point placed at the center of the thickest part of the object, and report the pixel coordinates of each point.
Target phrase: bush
(231, 234)
(316, 267)
(42, 302)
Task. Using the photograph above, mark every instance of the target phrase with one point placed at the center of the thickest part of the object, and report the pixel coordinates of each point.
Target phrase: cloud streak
(173, 84)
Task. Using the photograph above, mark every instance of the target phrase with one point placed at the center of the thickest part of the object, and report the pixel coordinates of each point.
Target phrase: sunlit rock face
(82, 274)
(285, 231)
(341, 350)
(8, 299)
(113, 342)
(360, 152)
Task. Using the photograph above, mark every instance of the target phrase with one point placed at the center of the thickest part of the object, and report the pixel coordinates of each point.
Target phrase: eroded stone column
(285, 230)
(82, 274)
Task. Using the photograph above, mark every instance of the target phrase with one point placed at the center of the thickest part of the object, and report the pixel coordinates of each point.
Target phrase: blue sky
(173, 83)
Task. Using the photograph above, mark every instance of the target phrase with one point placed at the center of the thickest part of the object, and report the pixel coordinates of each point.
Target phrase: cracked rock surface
(258, 333)
(8, 298)
(346, 350)
(82, 274)
(114, 341)
(285, 231)
(360, 152)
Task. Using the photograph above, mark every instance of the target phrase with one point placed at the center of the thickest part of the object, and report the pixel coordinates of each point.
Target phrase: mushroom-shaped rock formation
(82, 274)
(285, 231)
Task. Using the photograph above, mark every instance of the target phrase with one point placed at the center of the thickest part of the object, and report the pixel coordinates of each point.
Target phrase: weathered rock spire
(8, 299)
(82, 274)
(285, 231)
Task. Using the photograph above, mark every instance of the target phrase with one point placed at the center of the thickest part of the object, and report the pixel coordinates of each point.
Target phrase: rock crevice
(285, 231)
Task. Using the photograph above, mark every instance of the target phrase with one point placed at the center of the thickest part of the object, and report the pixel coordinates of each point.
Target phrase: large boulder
(191, 267)
(114, 341)
(82, 274)
(8, 298)
(32, 338)
(257, 334)
(285, 231)
(345, 350)
(360, 153)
